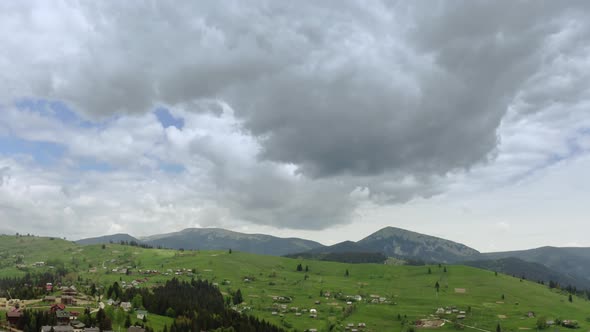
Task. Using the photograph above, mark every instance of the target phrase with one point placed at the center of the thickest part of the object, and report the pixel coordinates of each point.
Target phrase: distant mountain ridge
(215, 239)
(115, 238)
(572, 261)
(401, 243)
(568, 266)
(529, 270)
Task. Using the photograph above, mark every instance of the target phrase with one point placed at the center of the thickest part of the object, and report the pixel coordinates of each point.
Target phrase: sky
(467, 120)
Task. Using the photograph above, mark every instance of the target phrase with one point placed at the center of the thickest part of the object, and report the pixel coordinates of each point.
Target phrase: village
(270, 295)
(67, 306)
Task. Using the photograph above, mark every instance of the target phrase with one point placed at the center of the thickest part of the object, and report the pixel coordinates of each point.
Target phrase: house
(13, 316)
(57, 306)
(77, 325)
(141, 314)
(135, 329)
(49, 287)
(572, 324)
(92, 329)
(110, 301)
(63, 317)
(313, 311)
(460, 316)
(440, 311)
(530, 314)
(68, 299)
(57, 328)
(70, 291)
(49, 299)
(126, 306)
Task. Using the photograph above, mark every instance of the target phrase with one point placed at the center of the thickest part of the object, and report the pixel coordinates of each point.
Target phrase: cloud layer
(288, 115)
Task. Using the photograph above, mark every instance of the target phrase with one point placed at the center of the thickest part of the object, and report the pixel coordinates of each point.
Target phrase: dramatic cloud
(288, 115)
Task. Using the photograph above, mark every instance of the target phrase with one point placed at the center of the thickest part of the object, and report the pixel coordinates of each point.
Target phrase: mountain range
(566, 266)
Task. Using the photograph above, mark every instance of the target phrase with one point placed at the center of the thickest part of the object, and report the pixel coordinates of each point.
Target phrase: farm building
(63, 316)
(58, 328)
(49, 299)
(141, 314)
(68, 300)
(13, 316)
(126, 306)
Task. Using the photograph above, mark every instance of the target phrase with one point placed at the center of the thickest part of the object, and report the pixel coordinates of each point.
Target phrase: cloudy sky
(325, 120)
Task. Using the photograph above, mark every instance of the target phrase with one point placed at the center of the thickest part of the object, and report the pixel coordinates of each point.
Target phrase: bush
(542, 323)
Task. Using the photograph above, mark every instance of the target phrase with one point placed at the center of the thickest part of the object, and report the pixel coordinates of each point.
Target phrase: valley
(383, 297)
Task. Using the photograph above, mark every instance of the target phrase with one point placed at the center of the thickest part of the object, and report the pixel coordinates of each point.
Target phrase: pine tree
(437, 286)
(570, 298)
(93, 290)
(498, 328)
(429, 271)
(238, 297)
(346, 274)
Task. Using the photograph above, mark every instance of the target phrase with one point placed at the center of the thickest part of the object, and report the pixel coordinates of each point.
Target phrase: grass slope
(410, 288)
(572, 261)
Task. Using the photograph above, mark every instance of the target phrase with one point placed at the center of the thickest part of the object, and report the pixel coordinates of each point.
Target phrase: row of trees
(30, 286)
(196, 306)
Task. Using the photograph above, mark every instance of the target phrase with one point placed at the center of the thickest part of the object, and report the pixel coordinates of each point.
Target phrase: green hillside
(408, 290)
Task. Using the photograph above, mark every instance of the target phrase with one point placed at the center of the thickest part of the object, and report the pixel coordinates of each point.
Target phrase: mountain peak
(116, 238)
(401, 243)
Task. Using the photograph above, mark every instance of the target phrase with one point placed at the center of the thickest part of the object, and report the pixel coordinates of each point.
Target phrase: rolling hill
(115, 238)
(408, 292)
(402, 244)
(574, 262)
(568, 266)
(217, 238)
(528, 270)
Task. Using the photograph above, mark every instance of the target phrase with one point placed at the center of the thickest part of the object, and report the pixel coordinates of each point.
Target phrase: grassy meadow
(409, 291)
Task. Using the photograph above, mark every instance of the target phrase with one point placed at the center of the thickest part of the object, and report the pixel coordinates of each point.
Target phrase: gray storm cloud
(353, 94)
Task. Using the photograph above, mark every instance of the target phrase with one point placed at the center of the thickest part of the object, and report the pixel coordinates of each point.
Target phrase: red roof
(58, 306)
(14, 313)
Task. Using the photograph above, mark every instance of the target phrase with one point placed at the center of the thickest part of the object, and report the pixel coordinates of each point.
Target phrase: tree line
(197, 306)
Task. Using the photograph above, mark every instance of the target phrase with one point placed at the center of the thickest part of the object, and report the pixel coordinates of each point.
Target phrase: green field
(408, 290)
